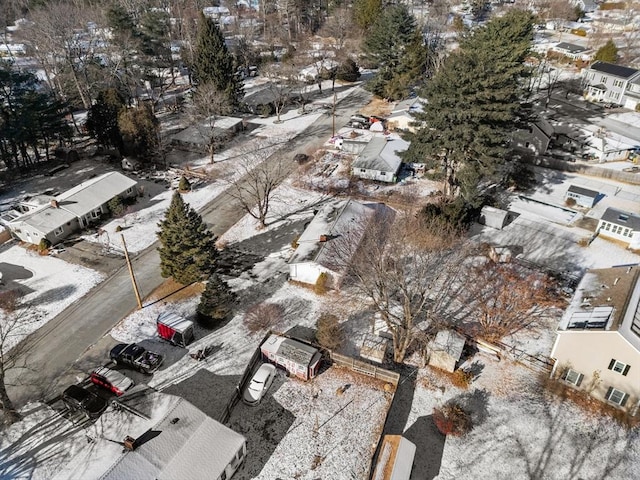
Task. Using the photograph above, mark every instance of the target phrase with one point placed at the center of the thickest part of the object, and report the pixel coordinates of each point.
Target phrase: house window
(616, 396)
(96, 213)
(618, 367)
(606, 225)
(58, 231)
(129, 190)
(627, 232)
(382, 174)
(362, 170)
(617, 83)
(603, 79)
(573, 377)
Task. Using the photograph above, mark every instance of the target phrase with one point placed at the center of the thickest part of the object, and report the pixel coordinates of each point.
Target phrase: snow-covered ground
(50, 286)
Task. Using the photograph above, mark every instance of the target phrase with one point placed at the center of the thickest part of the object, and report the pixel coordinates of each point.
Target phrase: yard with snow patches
(308, 430)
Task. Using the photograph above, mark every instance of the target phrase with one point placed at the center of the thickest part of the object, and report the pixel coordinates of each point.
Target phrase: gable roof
(89, 195)
(380, 154)
(622, 218)
(583, 191)
(570, 47)
(611, 69)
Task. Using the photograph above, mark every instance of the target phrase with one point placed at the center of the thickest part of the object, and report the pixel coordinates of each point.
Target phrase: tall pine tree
(213, 64)
(188, 252)
(216, 301)
(473, 106)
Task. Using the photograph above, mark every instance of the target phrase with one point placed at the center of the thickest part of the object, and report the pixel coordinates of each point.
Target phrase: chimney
(323, 238)
(54, 203)
(129, 443)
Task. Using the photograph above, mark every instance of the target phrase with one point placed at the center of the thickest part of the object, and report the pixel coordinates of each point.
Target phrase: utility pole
(333, 116)
(133, 277)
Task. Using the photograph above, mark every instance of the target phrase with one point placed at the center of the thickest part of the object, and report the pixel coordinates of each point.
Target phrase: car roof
(263, 372)
(113, 376)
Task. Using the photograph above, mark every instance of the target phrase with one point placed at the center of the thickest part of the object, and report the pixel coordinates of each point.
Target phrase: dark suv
(77, 398)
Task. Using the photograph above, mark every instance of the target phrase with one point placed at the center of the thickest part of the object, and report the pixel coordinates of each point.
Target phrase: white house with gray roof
(147, 435)
(597, 347)
(379, 160)
(73, 210)
(335, 232)
(607, 82)
(620, 225)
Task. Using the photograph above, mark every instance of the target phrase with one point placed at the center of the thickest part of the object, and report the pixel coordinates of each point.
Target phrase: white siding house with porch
(72, 210)
(379, 160)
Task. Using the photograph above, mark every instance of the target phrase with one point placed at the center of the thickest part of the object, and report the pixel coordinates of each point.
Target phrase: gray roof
(450, 342)
(188, 444)
(622, 218)
(380, 154)
(583, 191)
(93, 193)
(611, 69)
(570, 47)
(45, 219)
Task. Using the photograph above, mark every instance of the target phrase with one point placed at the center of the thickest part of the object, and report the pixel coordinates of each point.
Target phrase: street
(46, 356)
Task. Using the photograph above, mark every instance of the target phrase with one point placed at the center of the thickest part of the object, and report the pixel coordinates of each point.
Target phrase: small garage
(295, 357)
(582, 196)
(445, 350)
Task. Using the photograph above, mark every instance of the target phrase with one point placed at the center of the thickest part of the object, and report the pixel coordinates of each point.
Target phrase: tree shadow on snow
(429, 444)
(53, 295)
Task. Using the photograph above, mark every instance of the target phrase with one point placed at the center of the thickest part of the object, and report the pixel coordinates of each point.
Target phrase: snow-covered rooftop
(381, 154)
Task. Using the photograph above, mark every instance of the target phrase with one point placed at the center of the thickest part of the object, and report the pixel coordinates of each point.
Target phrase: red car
(111, 380)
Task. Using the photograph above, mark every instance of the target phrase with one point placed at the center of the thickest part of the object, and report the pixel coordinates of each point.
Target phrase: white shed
(583, 196)
(395, 460)
(445, 350)
(493, 217)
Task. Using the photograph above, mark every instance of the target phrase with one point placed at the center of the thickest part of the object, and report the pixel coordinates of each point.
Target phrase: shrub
(116, 206)
(44, 245)
(461, 378)
(570, 202)
(119, 228)
(322, 284)
(329, 332)
(184, 185)
(452, 419)
(294, 242)
(263, 316)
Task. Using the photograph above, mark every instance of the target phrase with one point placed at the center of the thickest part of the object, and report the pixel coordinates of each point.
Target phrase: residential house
(571, 50)
(165, 438)
(197, 137)
(334, 234)
(379, 160)
(297, 358)
(536, 138)
(620, 225)
(606, 145)
(582, 196)
(70, 211)
(606, 82)
(402, 116)
(597, 348)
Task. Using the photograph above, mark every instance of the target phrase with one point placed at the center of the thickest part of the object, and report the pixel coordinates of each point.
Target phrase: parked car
(134, 356)
(78, 398)
(259, 384)
(111, 380)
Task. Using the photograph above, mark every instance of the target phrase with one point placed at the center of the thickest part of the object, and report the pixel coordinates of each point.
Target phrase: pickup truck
(136, 357)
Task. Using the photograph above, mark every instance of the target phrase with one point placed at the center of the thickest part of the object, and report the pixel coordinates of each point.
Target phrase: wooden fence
(366, 368)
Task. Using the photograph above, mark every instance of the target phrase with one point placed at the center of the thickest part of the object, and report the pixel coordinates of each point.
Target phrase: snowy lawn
(309, 430)
(520, 431)
(50, 284)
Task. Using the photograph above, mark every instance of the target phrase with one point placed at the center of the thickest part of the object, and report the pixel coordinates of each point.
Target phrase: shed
(395, 460)
(583, 196)
(374, 348)
(494, 217)
(295, 357)
(446, 349)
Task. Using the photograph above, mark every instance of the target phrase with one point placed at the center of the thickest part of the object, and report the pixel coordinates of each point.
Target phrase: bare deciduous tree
(407, 272)
(284, 84)
(259, 177)
(14, 316)
(263, 316)
(207, 105)
(506, 298)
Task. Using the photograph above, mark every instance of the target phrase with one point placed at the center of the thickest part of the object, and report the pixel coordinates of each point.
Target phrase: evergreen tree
(387, 43)
(607, 53)
(365, 12)
(139, 128)
(217, 300)
(102, 118)
(213, 64)
(473, 106)
(188, 252)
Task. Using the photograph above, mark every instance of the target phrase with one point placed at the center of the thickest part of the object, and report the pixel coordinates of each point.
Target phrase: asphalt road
(43, 367)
